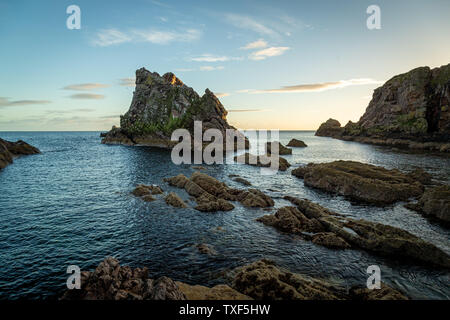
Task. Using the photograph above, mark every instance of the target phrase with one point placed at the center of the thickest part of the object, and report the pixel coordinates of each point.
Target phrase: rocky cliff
(410, 110)
(10, 150)
(162, 104)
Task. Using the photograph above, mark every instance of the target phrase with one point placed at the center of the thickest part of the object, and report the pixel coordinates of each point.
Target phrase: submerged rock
(359, 181)
(110, 281)
(297, 143)
(162, 104)
(242, 181)
(206, 249)
(262, 161)
(282, 150)
(175, 201)
(343, 232)
(10, 150)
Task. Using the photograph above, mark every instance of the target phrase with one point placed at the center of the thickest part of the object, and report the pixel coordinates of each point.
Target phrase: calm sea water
(71, 205)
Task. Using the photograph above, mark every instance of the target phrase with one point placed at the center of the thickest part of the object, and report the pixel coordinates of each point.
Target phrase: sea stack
(410, 110)
(162, 104)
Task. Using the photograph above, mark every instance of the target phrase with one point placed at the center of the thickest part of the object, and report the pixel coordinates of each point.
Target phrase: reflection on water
(72, 205)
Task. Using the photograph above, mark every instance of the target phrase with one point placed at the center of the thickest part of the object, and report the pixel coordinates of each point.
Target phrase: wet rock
(435, 203)
(282, 150)
(359, 181)
(10, 150)
(421, 175)
(296, 143)
(148, 198)
(219, 292)
(110, 281)
(262, 161)
(262, 280)
(213, 195)
(255, 198)
(145, 192)
(329, 240)
(384, 293)
(242, 181)
(175, 201)
(198, 168)
(330, 128)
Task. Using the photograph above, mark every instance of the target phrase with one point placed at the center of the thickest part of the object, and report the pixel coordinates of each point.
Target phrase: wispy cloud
(68, 111)
(255, 45)
(87, 96)
(268, 52)
(127, 82)
(213, 58)
(249, 23)
(108, 37)
(221, 94)
(86, 86)
(184, 69)
(5, 102)
(211, 68)
(317, 87)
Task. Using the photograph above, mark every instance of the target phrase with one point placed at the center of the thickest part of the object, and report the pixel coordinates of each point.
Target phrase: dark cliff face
(411, 106)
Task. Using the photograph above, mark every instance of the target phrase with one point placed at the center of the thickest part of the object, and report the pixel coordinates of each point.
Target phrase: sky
(287, 65)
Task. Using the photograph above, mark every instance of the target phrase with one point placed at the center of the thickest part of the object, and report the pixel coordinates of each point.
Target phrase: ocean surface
(71, 205)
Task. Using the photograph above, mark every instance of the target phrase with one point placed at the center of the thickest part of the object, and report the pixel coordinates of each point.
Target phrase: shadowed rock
(297, 143)
(282, 150)
(330, 128)
(262, 161)
(359, 181)
(10, 150)
(435, 203)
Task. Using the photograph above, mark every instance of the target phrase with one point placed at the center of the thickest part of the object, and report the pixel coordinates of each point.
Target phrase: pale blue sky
(53, 78)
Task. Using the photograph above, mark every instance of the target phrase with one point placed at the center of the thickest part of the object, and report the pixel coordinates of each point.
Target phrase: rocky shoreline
(10, 150)
(411, 111)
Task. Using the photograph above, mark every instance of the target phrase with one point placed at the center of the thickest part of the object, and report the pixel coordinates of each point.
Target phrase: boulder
(297, 143)
(261, 161)
(175, 201)
(282, 150)
(361, 182)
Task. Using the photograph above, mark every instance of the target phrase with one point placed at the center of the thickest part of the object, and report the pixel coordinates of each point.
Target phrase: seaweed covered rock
(10, 150)
(360, 181)
(162, 104)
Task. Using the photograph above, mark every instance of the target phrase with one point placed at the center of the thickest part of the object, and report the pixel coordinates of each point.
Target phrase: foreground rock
(262, 161)
(359, 181)
(282, 150)
(435, 203)
(219, 292)
(110, 281)
(262, 280)
(212, 195)
(324, 227)
(162, 104)
(411, 110)
(297, 143)
(10, 150)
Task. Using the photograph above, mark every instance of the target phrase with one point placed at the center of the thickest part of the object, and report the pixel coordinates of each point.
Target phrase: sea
(71, 205)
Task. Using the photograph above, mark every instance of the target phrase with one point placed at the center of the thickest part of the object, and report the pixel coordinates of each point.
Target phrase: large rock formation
(324, 227)
(360, 181)
(162, 104)
(10, 150)
(410, 110)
